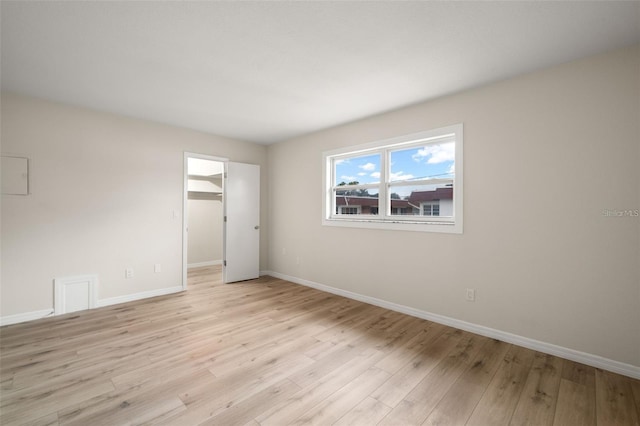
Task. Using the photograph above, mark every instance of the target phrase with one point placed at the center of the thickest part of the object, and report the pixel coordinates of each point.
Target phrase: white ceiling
(269, 71)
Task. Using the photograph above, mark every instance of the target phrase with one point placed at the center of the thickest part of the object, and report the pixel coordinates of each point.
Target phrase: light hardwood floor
(269, 352)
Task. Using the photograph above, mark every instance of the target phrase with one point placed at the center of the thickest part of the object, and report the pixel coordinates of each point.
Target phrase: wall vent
(75, 293)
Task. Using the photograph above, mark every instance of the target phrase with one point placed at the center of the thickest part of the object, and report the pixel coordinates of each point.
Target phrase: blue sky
(434, 160)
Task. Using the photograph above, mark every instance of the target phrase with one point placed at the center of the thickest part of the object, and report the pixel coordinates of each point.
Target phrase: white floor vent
(75, 293)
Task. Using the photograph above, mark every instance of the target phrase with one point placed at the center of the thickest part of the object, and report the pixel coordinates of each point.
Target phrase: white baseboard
(30, 316)
(27, 316)
(201, 264)
(137, 296)
(536, 345)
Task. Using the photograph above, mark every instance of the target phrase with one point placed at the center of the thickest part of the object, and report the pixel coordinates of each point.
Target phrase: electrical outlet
(128, 273)
(157, 268)
(471, 294)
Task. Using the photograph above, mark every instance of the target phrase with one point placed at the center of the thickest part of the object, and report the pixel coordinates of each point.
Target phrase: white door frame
(185, 209)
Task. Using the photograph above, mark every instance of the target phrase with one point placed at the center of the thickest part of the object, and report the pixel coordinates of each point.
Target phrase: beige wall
(544, 155)
(205, 230)
(104, 189)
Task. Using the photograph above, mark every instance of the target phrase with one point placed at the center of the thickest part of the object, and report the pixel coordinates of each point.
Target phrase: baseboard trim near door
(138, 296)
(536, 345)
(202, 264)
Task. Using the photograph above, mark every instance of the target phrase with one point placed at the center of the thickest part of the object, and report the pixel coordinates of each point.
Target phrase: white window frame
(384, 219)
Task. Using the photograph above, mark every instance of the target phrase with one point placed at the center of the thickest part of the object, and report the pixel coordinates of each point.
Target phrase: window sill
(404, 225)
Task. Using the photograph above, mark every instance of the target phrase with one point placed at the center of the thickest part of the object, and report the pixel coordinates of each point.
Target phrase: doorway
(221, 216)
(203, 215)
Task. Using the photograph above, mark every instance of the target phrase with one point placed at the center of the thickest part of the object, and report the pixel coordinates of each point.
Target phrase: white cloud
(362, 174)
(348, 178)
(452, 169)
(375, 175)
(436, 153)
(368, 167)
(400, 176)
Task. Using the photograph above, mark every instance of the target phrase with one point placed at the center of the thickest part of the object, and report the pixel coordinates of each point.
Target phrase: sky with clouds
(431, 161)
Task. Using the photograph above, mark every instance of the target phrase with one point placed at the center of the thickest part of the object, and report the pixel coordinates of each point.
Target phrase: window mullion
(332, 182)
(383, 209)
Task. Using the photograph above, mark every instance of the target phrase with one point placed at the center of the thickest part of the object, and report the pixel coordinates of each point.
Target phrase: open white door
(242, 222)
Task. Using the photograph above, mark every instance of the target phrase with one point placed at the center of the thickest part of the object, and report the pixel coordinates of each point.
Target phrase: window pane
(433, 161)
(421, 200)
(357, 170)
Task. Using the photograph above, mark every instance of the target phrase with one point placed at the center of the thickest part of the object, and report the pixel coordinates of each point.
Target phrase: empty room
(320, 213)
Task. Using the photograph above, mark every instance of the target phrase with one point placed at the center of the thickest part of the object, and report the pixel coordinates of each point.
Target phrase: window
(349, 210)
(398, 210)
(431, 208)
(412, 182)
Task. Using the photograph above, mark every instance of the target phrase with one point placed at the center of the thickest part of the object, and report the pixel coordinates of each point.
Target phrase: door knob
(256, 227)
